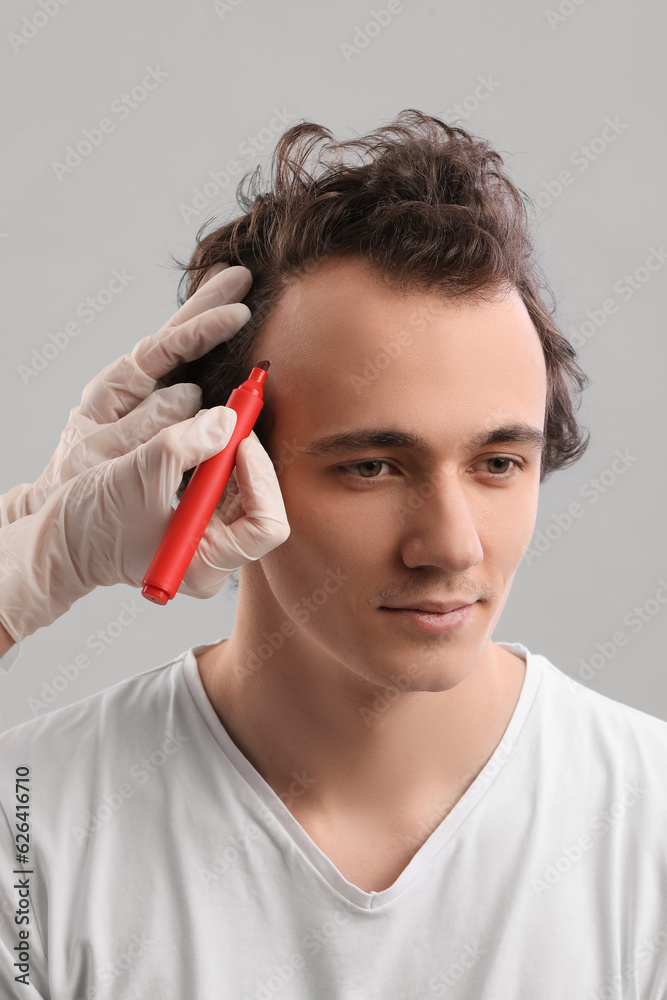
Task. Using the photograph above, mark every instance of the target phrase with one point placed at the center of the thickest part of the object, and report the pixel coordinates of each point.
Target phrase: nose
(437, 526)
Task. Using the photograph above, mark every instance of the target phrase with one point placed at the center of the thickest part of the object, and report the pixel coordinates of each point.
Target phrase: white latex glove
(58, 544)
(121, 408)
(104, 526)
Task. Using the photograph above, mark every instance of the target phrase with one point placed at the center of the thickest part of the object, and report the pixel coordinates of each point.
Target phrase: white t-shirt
(163, 866)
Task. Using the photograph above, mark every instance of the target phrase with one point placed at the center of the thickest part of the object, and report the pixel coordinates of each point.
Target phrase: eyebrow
(362, 439)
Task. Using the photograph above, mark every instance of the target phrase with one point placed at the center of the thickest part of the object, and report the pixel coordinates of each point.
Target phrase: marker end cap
(155, 594)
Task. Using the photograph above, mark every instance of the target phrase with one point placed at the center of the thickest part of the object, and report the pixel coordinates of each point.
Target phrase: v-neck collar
(439, 836)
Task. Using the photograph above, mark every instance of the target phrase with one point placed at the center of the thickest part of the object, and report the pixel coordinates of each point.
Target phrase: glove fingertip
(187, 396)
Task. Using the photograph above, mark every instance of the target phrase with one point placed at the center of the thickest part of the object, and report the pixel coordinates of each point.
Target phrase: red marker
(202, 494)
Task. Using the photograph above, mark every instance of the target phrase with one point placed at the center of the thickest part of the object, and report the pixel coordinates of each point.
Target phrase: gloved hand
(103, 526)
(120, 408)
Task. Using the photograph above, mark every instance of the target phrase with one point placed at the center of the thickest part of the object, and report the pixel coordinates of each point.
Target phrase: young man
(343, 799)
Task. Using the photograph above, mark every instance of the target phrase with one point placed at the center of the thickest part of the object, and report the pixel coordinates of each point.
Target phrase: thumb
(184, 445)
(255, 522)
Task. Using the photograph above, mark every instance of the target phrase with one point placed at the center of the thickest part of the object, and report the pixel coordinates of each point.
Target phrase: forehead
(346, 349)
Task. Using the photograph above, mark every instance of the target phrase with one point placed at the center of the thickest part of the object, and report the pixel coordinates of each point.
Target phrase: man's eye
(367, 467)
(517, 466)
(345, 470)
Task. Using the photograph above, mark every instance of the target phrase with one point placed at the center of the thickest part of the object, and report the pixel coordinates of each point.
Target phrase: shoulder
(604, 748)
(112, 720)
(604, 717)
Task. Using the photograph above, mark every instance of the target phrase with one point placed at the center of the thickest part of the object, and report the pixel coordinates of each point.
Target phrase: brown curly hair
(431, 210)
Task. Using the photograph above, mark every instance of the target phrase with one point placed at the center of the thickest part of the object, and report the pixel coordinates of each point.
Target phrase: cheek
(505, 524)
(323, 516)
(333, 531)
(512, 537)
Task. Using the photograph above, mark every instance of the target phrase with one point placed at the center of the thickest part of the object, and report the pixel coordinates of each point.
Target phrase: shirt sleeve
(11, 656)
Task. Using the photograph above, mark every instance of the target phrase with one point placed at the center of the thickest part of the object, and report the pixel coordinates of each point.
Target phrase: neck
(329, 741)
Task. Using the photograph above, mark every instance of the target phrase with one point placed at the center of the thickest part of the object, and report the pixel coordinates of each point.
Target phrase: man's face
(404, 524)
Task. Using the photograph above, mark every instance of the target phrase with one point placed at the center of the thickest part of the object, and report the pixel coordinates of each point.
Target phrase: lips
(431, 607)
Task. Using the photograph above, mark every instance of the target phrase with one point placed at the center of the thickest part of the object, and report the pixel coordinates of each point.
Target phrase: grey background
(556, 78)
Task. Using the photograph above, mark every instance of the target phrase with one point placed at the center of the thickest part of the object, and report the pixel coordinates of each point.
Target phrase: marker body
(202, 494)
